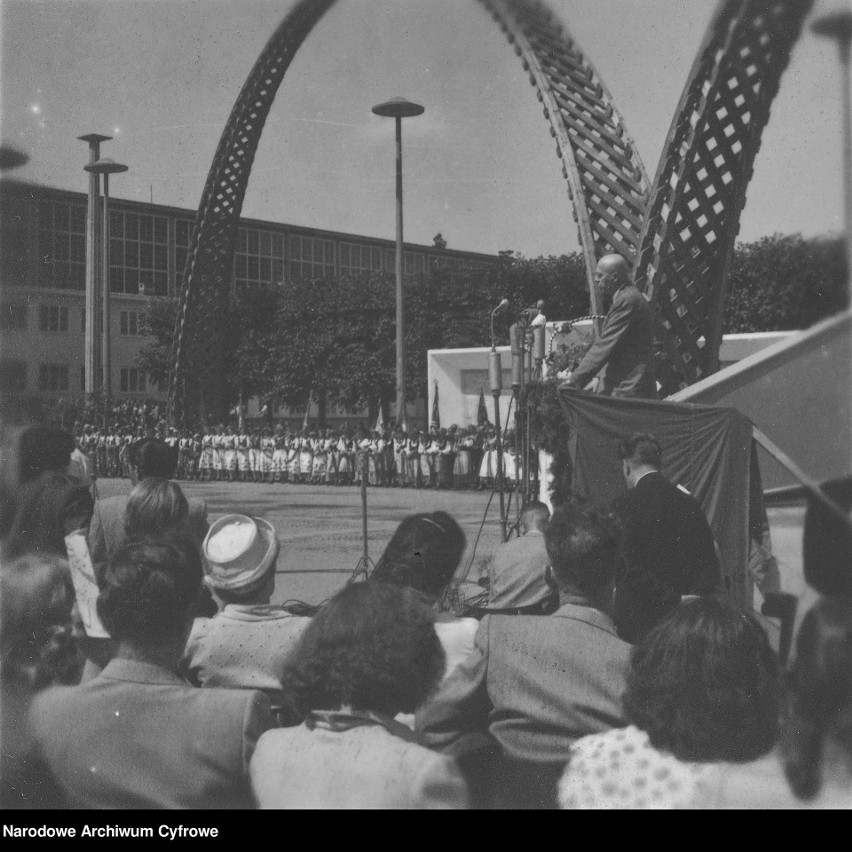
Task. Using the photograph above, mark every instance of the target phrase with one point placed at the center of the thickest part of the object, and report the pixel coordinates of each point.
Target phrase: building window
(53, 377)
(259, 257)
(356, 259)
(139, 253)
(53, 318)
(130, 323)
(132, 380)
(311, 257)
(62, 246)
(13, 316)
(13, 376)
(183, 233)
(412, 262)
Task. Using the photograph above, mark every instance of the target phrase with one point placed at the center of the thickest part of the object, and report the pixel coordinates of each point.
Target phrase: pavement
(320, 529)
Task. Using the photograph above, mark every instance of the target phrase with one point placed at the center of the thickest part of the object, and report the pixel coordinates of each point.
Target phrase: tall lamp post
(839, 26)
(91, 357)
(399, 108)
(105, 167)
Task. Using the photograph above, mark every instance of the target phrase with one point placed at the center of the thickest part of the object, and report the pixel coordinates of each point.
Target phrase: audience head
(827, 541)
(154, 507)
(704, 684)
(534, 516)
(35, 631)
(584, 546)
(148, 589)
(371, 647)
(240, 555)
(152, 457)
(42, 449)
(639, 454)
(423, 553)
(817, 727)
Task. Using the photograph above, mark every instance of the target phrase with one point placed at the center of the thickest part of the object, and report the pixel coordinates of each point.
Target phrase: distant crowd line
(453, 458)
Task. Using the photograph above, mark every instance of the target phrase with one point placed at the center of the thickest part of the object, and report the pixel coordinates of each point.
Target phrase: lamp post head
(12, 158)
(398, 108)
(94, 137)
(834, 25)
(105, 166)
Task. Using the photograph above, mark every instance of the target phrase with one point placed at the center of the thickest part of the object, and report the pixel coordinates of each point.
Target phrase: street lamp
(399, 108)
(91, 358)
(105, 167)
(838, 25)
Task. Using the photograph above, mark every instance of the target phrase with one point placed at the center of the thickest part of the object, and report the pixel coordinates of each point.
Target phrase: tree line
(334, 340)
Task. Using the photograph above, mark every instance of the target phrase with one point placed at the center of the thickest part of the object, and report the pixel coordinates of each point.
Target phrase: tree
(785, 282)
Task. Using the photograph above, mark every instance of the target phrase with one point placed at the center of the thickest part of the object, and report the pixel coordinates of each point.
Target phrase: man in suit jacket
(516, 574)
(668, 546)
(137, 736)
(536, 684)
(625, 345)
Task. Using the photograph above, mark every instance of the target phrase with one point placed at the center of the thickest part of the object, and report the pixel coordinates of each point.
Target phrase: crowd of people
(458, 458)
(607, 669)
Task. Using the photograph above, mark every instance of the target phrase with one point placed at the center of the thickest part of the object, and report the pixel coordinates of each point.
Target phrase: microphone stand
(495, 380)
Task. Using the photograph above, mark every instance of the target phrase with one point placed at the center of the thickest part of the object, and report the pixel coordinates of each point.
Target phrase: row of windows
(57, 377)
(55, 318)
(139, 252)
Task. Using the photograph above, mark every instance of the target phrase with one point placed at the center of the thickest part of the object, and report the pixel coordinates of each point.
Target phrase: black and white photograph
(423, 404)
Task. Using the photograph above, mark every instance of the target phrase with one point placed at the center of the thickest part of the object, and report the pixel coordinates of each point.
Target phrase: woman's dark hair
(423, 553)
(154, 507)
(153, 457)
(371, 647)
(148, 588)
(704, 684)
(819, 695)
(36, 631)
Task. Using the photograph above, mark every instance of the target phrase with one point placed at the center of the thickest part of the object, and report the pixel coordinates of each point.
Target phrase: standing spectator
(534, 685)
(668, 546)
(45, 504)
(370, 653)
(703, 689)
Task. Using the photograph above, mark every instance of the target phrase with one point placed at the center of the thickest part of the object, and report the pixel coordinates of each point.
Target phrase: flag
(307, 412)
(482, 411)
(380, 421)
(436, 417)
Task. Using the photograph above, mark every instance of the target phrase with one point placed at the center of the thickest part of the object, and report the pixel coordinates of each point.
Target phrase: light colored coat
(137, 736)
(362, 767)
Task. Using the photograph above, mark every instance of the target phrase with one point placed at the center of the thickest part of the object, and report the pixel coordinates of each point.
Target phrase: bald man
(625, 344)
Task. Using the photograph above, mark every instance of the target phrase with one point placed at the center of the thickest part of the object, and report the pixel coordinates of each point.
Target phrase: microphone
(501, 307)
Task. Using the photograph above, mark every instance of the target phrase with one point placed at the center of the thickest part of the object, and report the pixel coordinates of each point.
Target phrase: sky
(161, 76)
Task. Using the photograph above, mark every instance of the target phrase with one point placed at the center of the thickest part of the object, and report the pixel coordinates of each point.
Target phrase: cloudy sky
(161, 76)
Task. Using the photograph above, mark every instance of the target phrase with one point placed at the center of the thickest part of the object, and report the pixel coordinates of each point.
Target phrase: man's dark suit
(535, 684)
(669, 552)
(626, 346)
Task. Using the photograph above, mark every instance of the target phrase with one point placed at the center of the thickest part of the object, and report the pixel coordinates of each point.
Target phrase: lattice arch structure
(699, 191)
(605, 177)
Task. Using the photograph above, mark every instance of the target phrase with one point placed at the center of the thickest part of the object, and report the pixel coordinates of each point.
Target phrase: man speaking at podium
(625, 345)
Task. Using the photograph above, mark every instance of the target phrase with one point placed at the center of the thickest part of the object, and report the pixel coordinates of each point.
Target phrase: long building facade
(43, 279)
